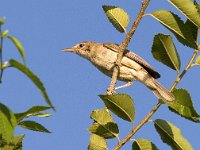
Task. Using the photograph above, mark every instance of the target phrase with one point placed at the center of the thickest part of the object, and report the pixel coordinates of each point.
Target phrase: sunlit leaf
(19, 46)
(120, 104)
(103, 124)
(32, 125)
(33, 111)
(143, 144)
(183, 105)
(97, 143)
(188, 8)
(172, 22)
(117, 16)
(7, 123)
(171, 135)
(32, 77)
(163, 50)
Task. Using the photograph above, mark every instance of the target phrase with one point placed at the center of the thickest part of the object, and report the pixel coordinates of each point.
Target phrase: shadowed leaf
(171, 135)
(117, 16)
(193, 29)
(120, 104)
(163, 50)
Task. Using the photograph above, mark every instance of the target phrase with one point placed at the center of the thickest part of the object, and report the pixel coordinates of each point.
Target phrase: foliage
(8, 119)
(164, 51)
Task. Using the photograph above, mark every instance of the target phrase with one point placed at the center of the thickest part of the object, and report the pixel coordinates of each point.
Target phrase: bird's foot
(125, 85)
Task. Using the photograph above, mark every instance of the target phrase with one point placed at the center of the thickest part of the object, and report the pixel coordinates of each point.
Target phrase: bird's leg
(125, 85)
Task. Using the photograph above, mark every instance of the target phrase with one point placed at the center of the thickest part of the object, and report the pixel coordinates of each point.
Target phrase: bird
(133, 67)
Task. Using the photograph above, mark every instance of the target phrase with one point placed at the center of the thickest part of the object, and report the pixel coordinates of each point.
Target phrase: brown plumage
(133, 67)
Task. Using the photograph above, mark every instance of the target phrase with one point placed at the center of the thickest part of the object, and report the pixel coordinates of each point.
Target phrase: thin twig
(1, 59)
(128, 137)
(155, 108)
(185, 70)
(123, 46)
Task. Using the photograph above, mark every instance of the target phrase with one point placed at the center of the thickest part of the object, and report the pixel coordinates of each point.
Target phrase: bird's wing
(136, 58)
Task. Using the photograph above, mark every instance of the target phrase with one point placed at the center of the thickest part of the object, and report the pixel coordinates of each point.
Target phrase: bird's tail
(160, 91)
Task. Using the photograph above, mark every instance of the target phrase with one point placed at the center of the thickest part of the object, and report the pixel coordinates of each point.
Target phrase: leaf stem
(123, 46)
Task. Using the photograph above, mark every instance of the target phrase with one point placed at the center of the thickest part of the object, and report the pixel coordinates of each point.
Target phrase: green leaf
(188, 8)
(32, 125)
(163, 50)
(32, 77)
(7, 123)
(120, 104)
(117, 16)
(33, 111)
(171, 135)
(103, 124)
(173, 22)
(19, 47)
(16, 143)
(197, 61)
(97, 143)
(193, 29)
(183, 105)
(143, 144)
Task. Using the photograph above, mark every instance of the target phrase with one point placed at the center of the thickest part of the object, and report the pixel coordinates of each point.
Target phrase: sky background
(44, 28)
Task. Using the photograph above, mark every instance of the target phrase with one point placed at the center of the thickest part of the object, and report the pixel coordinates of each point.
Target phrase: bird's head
(83, 49)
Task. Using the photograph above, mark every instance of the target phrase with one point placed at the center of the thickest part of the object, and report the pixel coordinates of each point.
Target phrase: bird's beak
(69, 50)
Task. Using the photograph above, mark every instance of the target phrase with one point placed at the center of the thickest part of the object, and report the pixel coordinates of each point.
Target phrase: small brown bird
(133, 67)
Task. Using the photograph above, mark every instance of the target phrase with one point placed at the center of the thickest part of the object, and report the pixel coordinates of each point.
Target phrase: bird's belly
(125, 73)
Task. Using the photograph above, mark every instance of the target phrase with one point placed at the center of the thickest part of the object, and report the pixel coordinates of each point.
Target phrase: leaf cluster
(163, 50)
(8, 119)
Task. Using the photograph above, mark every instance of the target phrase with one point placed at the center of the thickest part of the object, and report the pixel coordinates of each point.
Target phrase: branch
(123, 46)
(155, 108)
(128, 137)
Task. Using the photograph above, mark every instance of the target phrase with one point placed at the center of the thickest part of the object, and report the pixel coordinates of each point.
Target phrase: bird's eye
(81, 45)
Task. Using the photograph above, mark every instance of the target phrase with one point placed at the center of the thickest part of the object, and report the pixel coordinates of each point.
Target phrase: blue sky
(45, 27)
